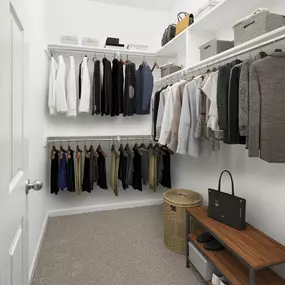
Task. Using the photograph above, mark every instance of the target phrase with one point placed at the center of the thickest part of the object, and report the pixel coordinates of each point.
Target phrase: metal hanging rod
(96, 139)
(211, 61)
(60, 48)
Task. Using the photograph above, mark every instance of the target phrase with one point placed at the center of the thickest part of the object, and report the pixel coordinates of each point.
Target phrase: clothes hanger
(61, 147)
(122, 150)
(127, 147)
(53, 147)
(77, 148)
(155, 65)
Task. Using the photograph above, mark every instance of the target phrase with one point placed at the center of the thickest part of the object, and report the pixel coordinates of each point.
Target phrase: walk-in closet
(142, 142)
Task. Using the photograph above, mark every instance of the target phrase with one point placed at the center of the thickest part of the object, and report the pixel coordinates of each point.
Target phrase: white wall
(46, 21)
(93, 19)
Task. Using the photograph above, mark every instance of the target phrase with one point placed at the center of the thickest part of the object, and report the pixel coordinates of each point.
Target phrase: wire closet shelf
(65, 49)
(98, 139)
(182, 74)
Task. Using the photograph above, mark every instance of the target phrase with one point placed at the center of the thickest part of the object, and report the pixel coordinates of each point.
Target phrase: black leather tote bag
(168, 34)
(227, 208)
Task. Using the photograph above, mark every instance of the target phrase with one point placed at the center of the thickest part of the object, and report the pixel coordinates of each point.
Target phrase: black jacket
(223, 96)
(118, 88)
(130, 89)
(96, 89)
(106, 99)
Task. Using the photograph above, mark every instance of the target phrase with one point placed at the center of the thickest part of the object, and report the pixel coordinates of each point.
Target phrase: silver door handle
(36, 185)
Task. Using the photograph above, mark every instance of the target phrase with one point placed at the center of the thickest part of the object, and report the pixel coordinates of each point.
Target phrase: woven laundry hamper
(176, 201)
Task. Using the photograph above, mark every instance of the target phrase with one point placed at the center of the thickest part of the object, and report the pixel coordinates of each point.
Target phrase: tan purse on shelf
(184, 20)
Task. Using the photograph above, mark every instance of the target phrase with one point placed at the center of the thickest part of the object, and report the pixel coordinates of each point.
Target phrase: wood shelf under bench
(248, 250)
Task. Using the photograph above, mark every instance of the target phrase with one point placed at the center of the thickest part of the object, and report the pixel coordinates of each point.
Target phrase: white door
(14, 149)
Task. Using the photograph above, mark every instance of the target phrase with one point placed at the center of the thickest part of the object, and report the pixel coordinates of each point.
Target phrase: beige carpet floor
(123, 247)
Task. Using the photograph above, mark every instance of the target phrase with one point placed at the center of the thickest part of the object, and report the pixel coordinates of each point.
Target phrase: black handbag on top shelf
(227, 208)
(168, 34)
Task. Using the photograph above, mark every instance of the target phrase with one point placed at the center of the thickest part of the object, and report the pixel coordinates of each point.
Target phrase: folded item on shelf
(112, 41)
(205, 237)
(214, 245)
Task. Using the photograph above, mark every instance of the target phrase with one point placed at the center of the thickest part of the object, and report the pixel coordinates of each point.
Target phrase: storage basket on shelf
(176, 201)
(257, 24)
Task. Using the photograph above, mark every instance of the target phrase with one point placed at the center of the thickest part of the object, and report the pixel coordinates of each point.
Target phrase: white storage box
(135, 47)
(68, 40)
(203, 266)
(90, 42)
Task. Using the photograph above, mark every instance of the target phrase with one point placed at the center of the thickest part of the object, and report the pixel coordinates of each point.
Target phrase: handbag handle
(220, 181)
(179, 17)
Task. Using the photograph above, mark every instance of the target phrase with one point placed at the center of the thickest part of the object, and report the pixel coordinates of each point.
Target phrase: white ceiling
(165, 5)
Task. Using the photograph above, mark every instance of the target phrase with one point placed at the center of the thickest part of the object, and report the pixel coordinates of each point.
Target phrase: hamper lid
(182, 197)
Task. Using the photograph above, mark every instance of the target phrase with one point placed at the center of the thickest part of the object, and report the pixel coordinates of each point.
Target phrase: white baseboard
(109, 207)
(38, 249)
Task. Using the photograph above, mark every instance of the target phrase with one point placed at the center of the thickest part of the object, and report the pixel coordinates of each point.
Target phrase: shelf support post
(187, 240)
(252, 276)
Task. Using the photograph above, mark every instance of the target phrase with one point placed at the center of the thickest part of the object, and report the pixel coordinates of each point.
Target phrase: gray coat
(266, 108)
(144, 87)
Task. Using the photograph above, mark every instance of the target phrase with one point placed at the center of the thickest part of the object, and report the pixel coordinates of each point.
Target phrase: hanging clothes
(118, 87)
(175, 122)
(210, 89)
(78, 171)
(96, 89)
(71, 90)
(86, 173)
(144, 164)
(137, 173)
(222, 97)
(155, 105)
(102, 177)
(144, 88)
(85, 92)
(60, 94)
(93, 175)
(160, 113)
(123, 163)
(62, 171)
(70, 170)
(187, 143)
(114, 170)
(130, 89)
(130, 166)
(80, 80)
(266, 108)
(54, 171)
(152, 178)
(166, 170)
(233, 107)
(52, 87)
(244, 93)
(172, 113)
(107, 90)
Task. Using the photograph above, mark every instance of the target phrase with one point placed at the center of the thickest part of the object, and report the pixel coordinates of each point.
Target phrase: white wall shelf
(266, 39)
(64, 48)
(176, 44)
(224, 15)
